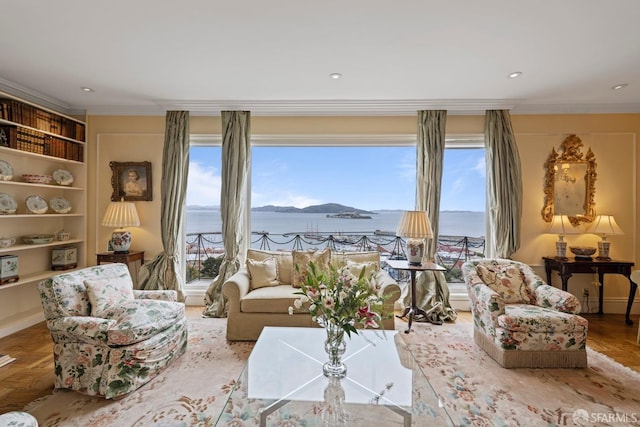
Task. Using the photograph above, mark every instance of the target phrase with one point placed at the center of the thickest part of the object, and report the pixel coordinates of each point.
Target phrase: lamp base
(603, 250)
(415, 251)
(120, 241)
(561, 250)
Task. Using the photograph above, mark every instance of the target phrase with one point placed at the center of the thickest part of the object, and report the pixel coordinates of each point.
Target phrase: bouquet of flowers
(337, 297)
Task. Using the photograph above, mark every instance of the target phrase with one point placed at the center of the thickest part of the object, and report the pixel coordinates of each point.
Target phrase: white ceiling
(275, 57)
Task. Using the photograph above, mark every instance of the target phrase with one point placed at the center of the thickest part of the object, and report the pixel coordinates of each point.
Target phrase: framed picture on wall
(131, 181)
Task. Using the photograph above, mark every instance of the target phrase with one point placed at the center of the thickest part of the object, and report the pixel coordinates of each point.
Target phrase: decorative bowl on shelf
(37, 179)
(582, 251)
(38, 239)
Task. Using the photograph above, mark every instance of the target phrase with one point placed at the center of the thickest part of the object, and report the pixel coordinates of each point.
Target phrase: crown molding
(338, 107)
(334, 107)
(39, 98)
(363, 107)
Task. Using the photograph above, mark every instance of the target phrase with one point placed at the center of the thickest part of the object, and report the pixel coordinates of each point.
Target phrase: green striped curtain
(504, 184)
(236, 160)
(163, 271)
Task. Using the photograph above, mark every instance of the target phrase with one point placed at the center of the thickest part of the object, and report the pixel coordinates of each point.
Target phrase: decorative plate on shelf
(60, 205)
(38, 239)
(6, 171)
(33, 178)
(62, 177)
(36, 205)
(8, 204)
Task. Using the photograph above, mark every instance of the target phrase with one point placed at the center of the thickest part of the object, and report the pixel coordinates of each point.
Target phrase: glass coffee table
(283, 384)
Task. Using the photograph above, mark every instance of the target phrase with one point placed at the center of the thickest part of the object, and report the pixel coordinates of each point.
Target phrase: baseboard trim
(21, 322)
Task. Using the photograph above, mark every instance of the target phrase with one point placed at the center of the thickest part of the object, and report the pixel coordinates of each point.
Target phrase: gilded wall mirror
(569, 187)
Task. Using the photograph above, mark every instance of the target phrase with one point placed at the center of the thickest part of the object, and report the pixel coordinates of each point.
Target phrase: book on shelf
(5, 359)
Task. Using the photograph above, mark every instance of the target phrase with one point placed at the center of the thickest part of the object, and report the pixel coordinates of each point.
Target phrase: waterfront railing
(204, 251)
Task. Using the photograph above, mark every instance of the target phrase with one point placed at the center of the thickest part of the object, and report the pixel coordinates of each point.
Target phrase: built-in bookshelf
(40, 142)
(27, 127)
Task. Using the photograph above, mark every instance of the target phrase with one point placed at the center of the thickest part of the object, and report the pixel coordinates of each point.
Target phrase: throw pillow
(355, 268)
(108, 293)
(507, 280)
(301, 259)
(263, 273)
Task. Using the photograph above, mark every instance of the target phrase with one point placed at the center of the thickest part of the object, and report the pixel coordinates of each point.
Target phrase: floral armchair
(110, 339)
(520, 321)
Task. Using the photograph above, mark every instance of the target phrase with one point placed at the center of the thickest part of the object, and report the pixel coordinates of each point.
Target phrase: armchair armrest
(487, 305)
(235, 288)
(557, 299)
(162, 295)
(388, 287)
(83, 329)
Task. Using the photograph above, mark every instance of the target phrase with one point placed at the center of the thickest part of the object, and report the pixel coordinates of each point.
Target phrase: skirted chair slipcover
(110, 339)
(520, 321)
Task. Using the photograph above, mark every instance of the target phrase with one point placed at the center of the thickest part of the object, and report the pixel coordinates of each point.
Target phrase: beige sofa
(253, 305)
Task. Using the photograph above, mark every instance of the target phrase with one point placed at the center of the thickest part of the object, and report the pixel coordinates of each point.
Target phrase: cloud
(204, 184)
(480, 167)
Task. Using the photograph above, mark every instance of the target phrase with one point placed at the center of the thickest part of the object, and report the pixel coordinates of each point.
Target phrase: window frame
(452, 141)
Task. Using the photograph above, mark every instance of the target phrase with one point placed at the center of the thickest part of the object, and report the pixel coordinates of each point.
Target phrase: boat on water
(348, 215)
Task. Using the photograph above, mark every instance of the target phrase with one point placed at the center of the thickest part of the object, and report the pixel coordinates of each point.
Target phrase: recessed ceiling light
(515, 74)
(86, 89)
(619, 86)
(335, 76)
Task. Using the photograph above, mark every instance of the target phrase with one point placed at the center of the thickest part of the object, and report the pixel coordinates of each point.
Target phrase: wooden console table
(566, 268)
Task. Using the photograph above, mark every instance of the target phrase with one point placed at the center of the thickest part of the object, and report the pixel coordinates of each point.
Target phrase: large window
(330, 190)
(303, 195)
(203, 239)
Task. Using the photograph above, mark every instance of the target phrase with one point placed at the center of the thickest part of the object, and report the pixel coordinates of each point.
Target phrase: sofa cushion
(283, 258)
(263, 273)
(369, 267)
(108, 292)
(301, 259)
(339, 259)
(530, 318)
(507, 280)
(141, 319)
(271, 299)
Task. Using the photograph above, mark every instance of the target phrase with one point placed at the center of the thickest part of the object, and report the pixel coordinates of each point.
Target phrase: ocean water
(452, 223)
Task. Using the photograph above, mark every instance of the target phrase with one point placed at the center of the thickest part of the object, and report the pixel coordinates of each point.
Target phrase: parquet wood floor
(31, 375)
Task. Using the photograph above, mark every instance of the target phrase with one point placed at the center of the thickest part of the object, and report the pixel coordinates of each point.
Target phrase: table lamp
(605, 225)
(415, 226)
(121, 214)
(561, 225)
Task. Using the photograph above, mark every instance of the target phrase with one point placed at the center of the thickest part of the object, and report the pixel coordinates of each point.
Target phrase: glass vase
(333, 413)
(335, 347)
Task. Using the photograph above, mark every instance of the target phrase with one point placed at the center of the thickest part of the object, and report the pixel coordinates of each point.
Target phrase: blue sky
(370, 178)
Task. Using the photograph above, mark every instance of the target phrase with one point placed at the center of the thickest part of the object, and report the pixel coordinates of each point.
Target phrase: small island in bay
(333, 210)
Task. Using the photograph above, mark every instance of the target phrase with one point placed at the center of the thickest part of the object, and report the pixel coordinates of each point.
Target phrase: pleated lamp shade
(415, 226)
(605, 225)
(561, 225)
(119, 215)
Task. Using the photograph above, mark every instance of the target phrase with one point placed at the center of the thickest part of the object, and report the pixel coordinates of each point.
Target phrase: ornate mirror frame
(557, 169)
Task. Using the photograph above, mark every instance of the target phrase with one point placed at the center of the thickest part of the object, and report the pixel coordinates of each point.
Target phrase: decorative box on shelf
(8, 269)
(64, 258)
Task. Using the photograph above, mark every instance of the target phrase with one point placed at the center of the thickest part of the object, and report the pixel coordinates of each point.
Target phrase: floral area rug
(476, 391)
(473, 388)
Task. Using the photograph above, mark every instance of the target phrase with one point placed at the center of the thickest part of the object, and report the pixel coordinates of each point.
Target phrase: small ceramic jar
(5, 242)
(63, 235)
